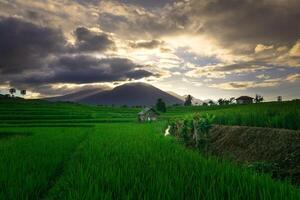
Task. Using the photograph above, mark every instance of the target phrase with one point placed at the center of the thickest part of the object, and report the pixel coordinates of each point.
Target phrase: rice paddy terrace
(71, 151)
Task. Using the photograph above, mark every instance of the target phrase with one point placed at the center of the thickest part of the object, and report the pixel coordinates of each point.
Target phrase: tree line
(161, 105)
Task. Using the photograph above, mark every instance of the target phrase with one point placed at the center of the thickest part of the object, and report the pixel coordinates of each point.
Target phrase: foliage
(23, 92)
(224, 101)
(258, 98)
(203, 123)
(211, 103)
(272, 114)
(12, 91)
(188, 100)
(193, 129)
(161, 105)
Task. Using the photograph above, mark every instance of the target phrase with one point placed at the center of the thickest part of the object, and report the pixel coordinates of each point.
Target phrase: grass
(70, 151)
(272, 114)
(28, 163)
(133, 162)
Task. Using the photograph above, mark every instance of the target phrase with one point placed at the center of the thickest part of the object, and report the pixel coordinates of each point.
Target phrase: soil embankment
(271, 150)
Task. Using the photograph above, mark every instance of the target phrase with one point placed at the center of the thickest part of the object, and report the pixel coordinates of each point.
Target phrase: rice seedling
(135, 161)
(84, 152)
(29, 164)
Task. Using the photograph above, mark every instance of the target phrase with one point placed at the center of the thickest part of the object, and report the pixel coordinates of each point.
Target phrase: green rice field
(71, 151)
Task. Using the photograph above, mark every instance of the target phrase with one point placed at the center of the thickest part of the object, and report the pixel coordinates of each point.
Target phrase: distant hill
(76, 96)
(195, 101)
(4, 96)
(130, 94)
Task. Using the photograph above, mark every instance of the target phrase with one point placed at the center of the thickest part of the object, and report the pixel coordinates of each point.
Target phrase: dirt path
(62, 166)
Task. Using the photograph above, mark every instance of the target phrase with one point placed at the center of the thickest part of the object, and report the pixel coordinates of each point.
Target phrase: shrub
(193, 129)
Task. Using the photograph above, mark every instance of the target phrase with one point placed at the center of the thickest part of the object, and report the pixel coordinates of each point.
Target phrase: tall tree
(12, 91)
(23, 92)
(221, 101)
(161, 105)
(258, 98)
(211, 103)
(231, 100)
(188, 100)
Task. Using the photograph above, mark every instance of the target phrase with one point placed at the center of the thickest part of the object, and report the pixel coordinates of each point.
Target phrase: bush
(193, 129)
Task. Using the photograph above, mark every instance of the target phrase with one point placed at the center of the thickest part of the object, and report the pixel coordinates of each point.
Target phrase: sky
(210, 49)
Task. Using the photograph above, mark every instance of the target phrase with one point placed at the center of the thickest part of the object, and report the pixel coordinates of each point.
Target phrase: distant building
(148, 114)
(279, 98)
(244, 100)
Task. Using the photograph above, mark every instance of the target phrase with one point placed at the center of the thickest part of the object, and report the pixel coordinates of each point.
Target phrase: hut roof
(147, 109)
(244, 98)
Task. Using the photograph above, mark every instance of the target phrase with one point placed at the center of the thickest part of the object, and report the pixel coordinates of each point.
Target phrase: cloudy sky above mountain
(208, 48)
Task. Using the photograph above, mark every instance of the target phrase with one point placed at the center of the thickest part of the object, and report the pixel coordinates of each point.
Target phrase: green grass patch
(135, 161)
(29, 164)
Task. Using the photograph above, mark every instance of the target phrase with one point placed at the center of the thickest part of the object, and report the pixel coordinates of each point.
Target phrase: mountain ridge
(131, 94)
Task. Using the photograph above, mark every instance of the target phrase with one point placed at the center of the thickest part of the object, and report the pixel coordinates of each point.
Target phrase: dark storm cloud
(143, 3)
(91, 41)
(235, 24)
(250, 22)
(151, 44)
(87, 2)
(138, 25)
(88, 69)
(32, 55)
(49, 90)
(239, 85)
(147, 3)
(25, 46)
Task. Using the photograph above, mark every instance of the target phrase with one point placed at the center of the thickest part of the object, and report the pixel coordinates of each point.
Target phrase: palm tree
(12, 91)
(258, 98)
(23, 92)
(161, 105)
(188, 100)
(211, 102)
(221, 101)
(231, 100)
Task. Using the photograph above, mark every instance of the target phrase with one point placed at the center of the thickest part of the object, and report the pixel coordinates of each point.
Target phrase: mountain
(195, 101)
(182, 98)
(130, 94)
(76, 96)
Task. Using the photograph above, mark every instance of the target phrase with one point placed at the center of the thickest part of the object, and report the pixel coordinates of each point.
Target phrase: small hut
(148, 114)
(244, 100)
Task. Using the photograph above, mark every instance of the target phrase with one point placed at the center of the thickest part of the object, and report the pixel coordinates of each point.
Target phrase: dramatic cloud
(248, 45)
(252, 22)
(293, 77)
(88, 69)
(26, 46)
(92, 41)
(243, 85)
(152, 44)
(136, 22)
(221, 71)
(295, 51)
(260, 48)
(262, 76)
(146, 4)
